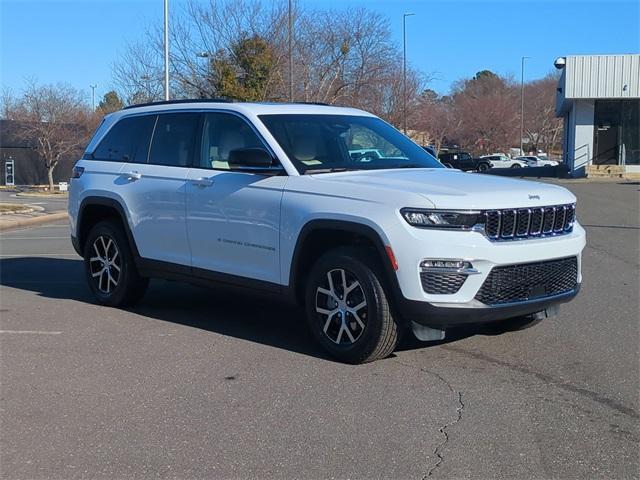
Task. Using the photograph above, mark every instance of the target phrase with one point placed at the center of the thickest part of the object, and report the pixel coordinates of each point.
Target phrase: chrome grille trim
(523, 223)
(524, 220)
(561, 214)
(509, 221)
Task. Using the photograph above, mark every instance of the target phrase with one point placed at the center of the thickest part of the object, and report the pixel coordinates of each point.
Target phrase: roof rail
(313, 103)
(187, 100)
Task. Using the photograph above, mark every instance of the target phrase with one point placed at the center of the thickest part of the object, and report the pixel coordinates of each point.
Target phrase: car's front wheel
(110, 268)
(347, 307)
(483, 167)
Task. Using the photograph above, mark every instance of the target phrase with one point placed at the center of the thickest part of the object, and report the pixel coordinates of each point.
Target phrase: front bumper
(462, 307)
(442, 317)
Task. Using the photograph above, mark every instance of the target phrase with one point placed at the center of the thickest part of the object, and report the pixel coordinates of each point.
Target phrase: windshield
(319, 143)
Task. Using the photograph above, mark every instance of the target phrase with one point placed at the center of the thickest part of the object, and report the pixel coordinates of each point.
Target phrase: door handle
(132, 176)
(202, 182)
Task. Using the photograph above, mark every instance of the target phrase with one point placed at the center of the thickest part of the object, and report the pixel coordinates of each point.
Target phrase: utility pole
(290, 40)
(404, 70)
(93, 96)
(522, 103)
(166, 49)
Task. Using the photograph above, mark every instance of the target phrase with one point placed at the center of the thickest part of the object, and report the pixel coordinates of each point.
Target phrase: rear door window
(127, 141)
(174, 139)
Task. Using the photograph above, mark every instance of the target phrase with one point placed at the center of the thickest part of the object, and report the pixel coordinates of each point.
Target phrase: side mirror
(253, 160)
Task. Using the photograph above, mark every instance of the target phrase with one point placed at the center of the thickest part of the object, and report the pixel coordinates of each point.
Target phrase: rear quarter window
(127, 141)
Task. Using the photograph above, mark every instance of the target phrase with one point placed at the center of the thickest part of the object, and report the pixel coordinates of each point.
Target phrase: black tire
(483, 167)
(379, 335)
(130, 286)
(516, 165)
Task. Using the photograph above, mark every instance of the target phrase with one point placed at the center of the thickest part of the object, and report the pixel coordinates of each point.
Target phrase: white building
(599, 99)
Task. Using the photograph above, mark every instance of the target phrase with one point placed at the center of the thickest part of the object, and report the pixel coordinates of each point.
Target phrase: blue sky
(77, 41)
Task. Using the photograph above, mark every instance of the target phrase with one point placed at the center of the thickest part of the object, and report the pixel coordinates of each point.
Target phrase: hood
(447, 188)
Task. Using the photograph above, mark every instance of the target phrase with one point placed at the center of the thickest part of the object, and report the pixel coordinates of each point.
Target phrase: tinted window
(351, 142)
(174, 139)
(222, 133)
(127, 141)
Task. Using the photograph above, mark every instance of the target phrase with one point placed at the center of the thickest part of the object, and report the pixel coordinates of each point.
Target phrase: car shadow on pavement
(256, 319)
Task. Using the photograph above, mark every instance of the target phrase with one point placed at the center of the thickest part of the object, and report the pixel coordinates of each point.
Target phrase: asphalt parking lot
(194, 383)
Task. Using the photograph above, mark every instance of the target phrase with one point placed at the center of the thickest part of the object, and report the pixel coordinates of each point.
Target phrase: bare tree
(542, 128)
(437, 120)
(487, 108)
(340, 57)
(53, 119)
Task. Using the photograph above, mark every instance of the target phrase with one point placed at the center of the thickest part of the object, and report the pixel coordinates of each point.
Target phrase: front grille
(529, 281)
(442, 283)
(522, 223)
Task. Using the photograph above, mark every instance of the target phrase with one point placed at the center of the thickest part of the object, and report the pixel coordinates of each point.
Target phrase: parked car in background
(500, 160)
(463, 161)
(533, 161)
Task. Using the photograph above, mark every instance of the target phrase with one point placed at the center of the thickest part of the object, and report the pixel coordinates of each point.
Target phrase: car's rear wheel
(109, 267)
(516, 165)
(483, 167)
(347, 307)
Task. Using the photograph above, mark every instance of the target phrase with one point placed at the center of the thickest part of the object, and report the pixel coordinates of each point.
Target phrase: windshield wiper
(409, 165)
(327, 170)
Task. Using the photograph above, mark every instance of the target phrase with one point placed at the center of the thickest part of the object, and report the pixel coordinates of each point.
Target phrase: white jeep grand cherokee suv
(287, 199)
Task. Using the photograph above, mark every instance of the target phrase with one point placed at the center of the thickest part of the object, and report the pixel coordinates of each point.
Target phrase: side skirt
(210, 279)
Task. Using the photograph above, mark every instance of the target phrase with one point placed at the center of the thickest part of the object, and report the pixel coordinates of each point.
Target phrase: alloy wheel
(341, 306)
(105, 266)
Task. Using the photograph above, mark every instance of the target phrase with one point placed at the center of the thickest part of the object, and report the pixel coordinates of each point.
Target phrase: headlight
(445, 219)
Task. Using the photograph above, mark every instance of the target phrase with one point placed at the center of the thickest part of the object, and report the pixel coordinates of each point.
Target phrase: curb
(17, 212)
(43, 195)
(30, 222)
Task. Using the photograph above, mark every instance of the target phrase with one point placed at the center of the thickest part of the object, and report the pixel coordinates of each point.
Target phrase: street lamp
(522, 103)
(404, 70)
(93, 95)
(207, 56)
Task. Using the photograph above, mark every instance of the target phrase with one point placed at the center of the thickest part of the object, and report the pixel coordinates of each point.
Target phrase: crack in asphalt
(548, 379)
(442, 429)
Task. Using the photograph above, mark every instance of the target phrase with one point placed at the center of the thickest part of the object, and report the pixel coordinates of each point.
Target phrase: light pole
(522, 103)
(404, 70)
(290, 40)
(207, 56)
(166, 49)
(93, 96)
